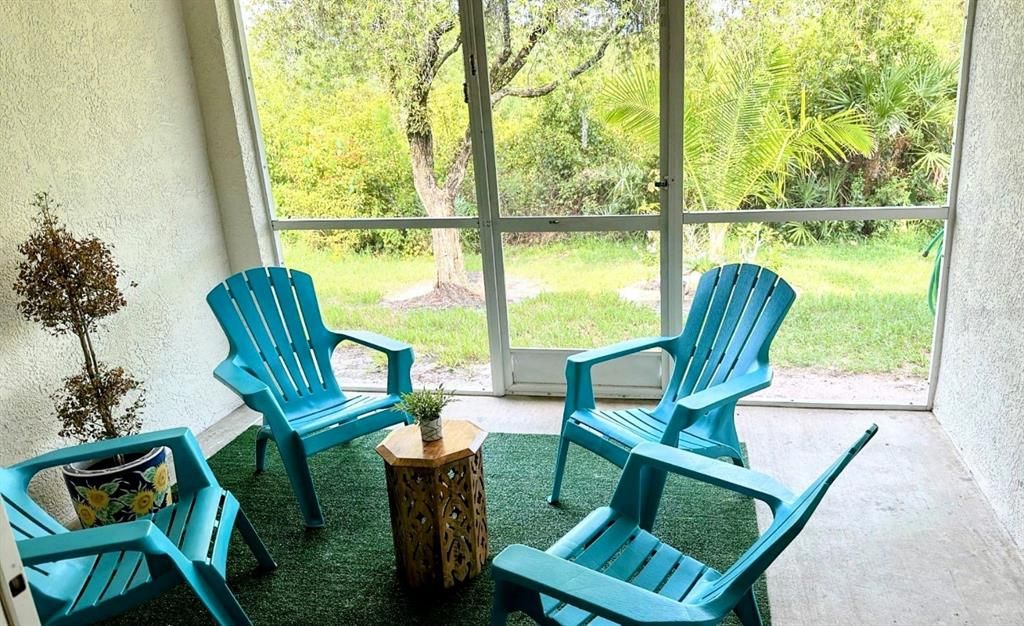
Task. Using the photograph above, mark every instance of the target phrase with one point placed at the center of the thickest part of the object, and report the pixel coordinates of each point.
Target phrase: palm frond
(631, 101)
(740, 142)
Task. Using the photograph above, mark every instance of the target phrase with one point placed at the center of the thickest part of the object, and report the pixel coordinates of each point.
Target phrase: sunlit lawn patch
(861, 306)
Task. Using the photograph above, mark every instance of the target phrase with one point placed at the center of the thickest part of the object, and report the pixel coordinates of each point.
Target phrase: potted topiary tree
(69, 285)
(425, 407)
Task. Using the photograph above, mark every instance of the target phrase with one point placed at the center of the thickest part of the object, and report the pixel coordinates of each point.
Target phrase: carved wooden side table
(438, 512)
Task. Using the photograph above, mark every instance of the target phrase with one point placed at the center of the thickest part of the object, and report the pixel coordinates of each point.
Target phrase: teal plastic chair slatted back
(29, 520)
(736, 311)
(273, 324)
(789, 521)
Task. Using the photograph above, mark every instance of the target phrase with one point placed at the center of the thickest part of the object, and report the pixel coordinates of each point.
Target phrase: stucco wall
(98, 105)
(232, 141)
(980, 394)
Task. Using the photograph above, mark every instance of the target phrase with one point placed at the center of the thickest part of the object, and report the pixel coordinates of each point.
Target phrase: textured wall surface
(980, 398)
(230, 138)
(98, 105)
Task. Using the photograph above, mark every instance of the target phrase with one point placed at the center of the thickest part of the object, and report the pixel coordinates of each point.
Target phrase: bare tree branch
(543, 90)
(506, 37)
(447, 54)
(504, 74)
(428, 64)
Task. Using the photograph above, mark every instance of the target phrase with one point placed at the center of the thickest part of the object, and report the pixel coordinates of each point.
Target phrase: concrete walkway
(903, 537)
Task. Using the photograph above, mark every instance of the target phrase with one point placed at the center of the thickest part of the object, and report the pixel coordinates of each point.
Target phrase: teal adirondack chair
(610, 569)
(280, 364)
(721, 356)
(92, 574)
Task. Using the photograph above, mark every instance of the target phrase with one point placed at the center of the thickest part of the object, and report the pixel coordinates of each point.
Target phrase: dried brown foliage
(77, 400)
(68, 285)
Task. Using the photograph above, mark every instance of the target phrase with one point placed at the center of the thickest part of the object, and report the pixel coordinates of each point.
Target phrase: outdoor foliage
(68, 285)
(863, 89)
(402, 51)
(788, 103)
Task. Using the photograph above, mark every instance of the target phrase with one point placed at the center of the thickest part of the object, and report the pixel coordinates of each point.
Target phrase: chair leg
(252, 539)
(297, 467)
(499, 616)
(213, 591)
(746, 609)
(509, 598)
(262, 439)
(563, 451)
(652, 484)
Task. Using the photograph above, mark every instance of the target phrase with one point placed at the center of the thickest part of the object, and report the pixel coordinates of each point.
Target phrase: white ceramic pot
(430, 430)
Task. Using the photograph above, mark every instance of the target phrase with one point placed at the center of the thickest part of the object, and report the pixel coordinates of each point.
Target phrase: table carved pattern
(438, 521)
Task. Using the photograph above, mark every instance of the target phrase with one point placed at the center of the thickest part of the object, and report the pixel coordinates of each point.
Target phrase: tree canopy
(832, 102)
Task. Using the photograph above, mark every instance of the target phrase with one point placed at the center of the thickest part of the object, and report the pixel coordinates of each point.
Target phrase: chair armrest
(254, 392)
(608, 597)
(192, 471)
(579, 386)
(400, 356)
(374, 341)
(240, 381)
(689, 408)
(138, 536)
(618, 350)
(647, 455)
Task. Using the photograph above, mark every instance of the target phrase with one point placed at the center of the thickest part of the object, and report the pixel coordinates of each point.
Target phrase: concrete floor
(903, 537)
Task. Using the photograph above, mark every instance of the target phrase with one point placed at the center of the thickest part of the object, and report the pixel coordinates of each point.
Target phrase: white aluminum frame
(953, 197)
(255, 130)
(669, 222)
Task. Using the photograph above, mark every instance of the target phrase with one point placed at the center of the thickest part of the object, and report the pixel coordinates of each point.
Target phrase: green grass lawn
(861, 307)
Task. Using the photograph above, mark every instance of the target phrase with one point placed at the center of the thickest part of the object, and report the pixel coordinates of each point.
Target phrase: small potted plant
(425, 407)
(69, 285)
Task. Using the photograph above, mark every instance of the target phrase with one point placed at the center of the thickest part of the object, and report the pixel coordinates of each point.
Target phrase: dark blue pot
(108, 491)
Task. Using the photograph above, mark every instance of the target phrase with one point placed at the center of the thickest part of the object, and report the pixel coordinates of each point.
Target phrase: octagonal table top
(404, 447)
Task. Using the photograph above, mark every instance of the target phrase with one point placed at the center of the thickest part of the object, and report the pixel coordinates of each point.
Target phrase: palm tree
(911, 107)
(741, 140)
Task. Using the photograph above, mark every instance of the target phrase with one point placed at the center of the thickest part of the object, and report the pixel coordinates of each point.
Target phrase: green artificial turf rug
(344, 573)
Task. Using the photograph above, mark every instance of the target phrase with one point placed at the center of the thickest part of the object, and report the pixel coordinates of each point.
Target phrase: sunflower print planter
(105, 493)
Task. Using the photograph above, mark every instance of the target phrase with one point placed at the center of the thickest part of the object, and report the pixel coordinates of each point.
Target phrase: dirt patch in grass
(356, 366)
(444, 296)
(648, 292)
(824, 385)
(426, 296)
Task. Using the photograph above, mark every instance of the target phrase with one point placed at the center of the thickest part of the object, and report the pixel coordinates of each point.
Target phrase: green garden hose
(933, 287)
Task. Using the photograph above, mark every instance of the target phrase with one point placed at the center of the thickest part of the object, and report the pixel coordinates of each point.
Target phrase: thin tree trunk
(449, 266)
(716, 241)
(439, 202)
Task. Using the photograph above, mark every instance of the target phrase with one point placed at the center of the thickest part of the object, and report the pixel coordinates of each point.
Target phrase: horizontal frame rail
(369, 223)
(616, 223)
(817, 215)
(578, 223)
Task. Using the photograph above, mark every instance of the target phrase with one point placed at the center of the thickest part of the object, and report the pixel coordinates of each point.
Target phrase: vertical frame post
(259, 149)
(672, 62)
(478, 90)
(953, 198)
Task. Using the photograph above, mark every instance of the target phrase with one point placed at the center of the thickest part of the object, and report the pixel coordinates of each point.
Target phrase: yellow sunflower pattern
(85, 514)
(161, 477)
(123, 499)
(97, 498)
(143, 502)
